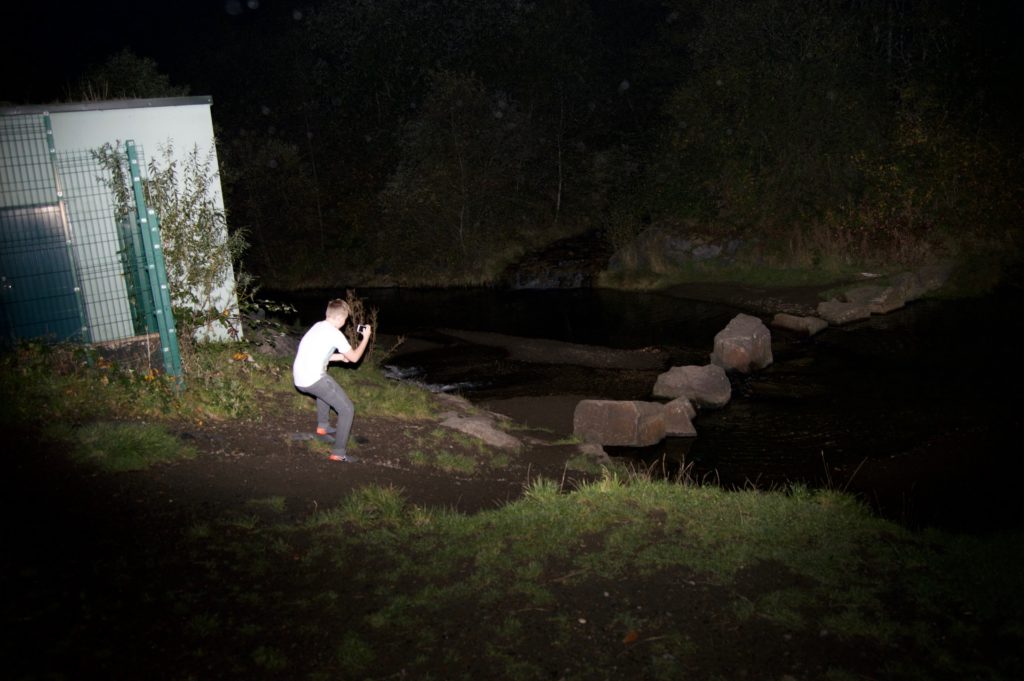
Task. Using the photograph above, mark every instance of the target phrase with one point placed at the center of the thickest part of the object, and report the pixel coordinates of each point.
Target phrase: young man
(309, 372)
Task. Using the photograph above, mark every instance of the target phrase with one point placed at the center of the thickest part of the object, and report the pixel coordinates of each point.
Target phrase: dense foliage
(876, 124)
(382, 140)
(200, 254)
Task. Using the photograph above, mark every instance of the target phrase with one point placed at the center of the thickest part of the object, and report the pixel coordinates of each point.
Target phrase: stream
(911, 411)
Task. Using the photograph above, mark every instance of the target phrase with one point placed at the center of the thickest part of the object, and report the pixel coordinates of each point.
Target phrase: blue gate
(38, 296)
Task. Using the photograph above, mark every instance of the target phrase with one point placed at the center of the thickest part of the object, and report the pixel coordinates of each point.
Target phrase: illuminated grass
(118, 447)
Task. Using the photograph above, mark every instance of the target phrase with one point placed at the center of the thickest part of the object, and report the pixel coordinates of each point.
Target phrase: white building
(50, 191)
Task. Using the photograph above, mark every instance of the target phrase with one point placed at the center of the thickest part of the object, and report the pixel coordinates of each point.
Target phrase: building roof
(105, 105)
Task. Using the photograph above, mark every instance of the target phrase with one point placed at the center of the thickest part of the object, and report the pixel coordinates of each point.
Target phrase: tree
(125, 76)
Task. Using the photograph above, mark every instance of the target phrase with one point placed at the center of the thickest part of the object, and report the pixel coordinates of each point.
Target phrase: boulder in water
(619, 423)
(705, 386)
(744, 345)
(805, 325)
(678, 415)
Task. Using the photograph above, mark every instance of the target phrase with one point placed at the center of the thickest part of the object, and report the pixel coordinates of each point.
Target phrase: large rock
(914, 285)
(860, 302)
(837, 312)
(744, 345)
(664, 249)
(705, 386)
(271, 342)
(573, 262)
(805, 325)
(933, 277)
(878, 299)
(909, 285)
(684, 405)
(678, 415)
(619, 423)
(483, 428)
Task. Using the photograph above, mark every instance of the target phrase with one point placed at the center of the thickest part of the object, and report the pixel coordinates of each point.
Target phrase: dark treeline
(389, 140)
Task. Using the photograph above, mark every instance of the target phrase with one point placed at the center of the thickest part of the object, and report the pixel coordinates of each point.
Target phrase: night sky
(49, 49)
(45, 49)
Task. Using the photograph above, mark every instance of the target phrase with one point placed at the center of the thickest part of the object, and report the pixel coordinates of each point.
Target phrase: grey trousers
(329, 395)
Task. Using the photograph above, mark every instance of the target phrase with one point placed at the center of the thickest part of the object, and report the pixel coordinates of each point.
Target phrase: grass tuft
(119, 447)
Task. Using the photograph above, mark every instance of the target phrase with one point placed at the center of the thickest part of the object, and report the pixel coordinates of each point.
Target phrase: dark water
(916, 411)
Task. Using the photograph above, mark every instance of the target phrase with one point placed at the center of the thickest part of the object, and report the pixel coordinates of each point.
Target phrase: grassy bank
(618, 579)
(640, 579)
(624, 577)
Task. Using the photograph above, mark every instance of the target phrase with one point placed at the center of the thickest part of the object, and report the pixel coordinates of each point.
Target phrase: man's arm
(356, 353)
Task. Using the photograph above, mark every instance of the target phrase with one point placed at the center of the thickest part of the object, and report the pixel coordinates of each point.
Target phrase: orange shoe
(343, 458)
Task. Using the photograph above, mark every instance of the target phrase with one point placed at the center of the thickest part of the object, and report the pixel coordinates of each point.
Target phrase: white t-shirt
(315, 350)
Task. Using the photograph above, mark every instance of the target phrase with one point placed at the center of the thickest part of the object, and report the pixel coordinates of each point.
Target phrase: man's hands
(356, 353)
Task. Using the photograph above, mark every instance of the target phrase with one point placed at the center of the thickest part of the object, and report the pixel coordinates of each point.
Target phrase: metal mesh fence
(72, 259)
(26, 175)
(103, 261)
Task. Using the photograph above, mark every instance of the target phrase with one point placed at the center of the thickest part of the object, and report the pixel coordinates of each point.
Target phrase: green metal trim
(83, 312)
(133, 264)
(149, 228)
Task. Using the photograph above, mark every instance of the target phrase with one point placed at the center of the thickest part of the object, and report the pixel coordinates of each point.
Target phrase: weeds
(359, 315)
(273, 504)
(202, 256)
(454, 463)
(374, 507)
(48, 384)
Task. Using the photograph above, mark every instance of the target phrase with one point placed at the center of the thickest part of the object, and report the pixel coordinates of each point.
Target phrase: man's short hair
(338, 307)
